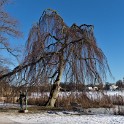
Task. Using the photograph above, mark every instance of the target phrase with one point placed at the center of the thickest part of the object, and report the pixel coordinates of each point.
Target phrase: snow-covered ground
(90, 116)
(62, 118)
(90, 94)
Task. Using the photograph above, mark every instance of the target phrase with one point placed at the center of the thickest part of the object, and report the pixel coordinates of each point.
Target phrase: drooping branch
(51, 38)
(55, 51)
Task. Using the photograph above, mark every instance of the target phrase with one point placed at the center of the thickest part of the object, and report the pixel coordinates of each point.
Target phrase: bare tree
(8, 28)
(58, 52)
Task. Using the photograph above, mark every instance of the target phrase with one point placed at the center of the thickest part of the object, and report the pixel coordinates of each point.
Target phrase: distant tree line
(7, 89)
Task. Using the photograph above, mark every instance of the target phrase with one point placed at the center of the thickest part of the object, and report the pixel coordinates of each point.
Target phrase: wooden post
(26, 102)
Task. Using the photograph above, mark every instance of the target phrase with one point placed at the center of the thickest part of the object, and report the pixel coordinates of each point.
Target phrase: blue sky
(107, 16)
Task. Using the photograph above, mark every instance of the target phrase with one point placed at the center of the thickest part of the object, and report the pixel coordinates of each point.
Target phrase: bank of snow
(65, 118)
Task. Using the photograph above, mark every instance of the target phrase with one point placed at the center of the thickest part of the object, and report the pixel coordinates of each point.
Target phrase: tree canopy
(51, 43)
(56, 51)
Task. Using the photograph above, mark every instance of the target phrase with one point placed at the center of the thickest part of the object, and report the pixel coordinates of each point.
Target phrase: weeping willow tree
(57, 52)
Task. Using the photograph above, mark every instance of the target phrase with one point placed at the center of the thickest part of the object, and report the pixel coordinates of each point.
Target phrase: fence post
(26, 101)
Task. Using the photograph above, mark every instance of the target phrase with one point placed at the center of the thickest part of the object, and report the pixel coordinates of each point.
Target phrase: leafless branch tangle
(52, 45)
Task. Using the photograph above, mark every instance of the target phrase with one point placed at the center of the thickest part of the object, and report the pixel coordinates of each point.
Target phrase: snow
(90, 94)
(65, 118)
(35, 94)
(112, 93)
(90, 116)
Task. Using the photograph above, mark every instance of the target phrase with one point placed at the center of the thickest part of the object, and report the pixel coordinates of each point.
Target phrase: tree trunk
(53, 95)
(56, 86)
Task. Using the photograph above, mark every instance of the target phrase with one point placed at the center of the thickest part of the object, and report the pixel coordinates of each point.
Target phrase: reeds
(84, 99)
